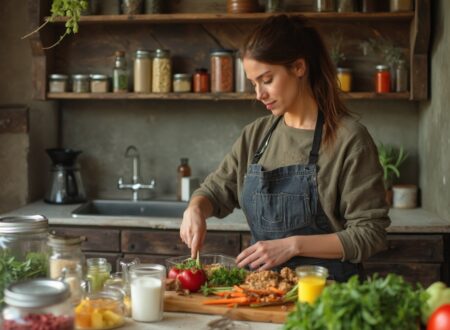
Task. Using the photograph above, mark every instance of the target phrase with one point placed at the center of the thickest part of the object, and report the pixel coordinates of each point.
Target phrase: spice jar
(243, 85)
(58, 83)
(38, 304)
(201, 81)
(222, 71)
(132, 7)
(344, 76)
(80, 83)
(401, 5)
(120, 73)
(242, 6)
(382, 79)
(325, 5)
(98, 270)
(23, 242)
(99, 83)
(162, 71)
(346, 6)
(153, 6)
(142, 72)
(182, 82)
(401, 75)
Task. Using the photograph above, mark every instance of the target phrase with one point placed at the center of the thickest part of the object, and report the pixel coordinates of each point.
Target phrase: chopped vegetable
(224, 276)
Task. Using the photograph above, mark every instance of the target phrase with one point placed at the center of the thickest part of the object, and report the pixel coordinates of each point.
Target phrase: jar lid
(341, 70)
(382, 67)
(97, 76)
(80, 76)
(221, 52)
(23, 224)
(142, 53)
(57, 76)
(36, 293)
(64, 240)
(162, 52)
(182, 76)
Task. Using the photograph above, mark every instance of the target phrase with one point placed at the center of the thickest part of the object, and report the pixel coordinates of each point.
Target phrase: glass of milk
(147, 292)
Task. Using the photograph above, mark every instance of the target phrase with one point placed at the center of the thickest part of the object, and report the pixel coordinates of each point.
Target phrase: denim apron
(285, 202)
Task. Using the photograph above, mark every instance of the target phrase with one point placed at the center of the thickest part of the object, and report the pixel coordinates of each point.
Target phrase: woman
(307, 176)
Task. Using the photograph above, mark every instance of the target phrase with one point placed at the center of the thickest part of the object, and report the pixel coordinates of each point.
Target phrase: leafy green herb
(224, 276)
(387, 303)
(13, 270)
(188, 264)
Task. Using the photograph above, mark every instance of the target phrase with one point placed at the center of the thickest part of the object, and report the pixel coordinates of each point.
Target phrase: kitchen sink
(128, 208)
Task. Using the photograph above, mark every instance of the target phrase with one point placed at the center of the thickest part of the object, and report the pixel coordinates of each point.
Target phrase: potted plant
(390, 159)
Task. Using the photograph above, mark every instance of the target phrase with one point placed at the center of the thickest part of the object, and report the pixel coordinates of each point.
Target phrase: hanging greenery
(71, 9)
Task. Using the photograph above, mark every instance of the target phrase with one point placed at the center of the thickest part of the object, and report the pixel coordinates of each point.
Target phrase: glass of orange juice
(311, 281)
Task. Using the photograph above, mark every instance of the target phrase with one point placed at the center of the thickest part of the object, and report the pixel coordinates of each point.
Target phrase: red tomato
(440, 319)
(192, 279)
(173, 273)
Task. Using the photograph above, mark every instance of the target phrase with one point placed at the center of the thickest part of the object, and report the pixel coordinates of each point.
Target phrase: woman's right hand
(193, 227)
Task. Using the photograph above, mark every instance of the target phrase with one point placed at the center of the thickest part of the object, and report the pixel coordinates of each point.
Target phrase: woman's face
(275, 85)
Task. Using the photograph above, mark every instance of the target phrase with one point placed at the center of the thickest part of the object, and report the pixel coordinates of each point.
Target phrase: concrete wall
(434, 119)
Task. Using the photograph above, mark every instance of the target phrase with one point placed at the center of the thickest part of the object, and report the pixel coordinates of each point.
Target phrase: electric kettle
(65, 185)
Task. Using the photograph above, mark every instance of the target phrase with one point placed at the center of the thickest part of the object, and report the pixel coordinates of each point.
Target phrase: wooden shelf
(218, 17)
(204, 96)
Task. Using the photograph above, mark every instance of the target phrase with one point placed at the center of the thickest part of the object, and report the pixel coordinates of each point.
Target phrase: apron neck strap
(314, 153)
(258, 154)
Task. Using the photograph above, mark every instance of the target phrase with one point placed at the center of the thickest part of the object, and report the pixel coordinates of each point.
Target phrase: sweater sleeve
(362, 203)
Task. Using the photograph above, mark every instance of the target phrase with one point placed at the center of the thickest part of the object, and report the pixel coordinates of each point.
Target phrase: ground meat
(263, 280)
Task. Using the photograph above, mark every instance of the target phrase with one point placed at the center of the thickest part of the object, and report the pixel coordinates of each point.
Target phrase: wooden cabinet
(191, 28)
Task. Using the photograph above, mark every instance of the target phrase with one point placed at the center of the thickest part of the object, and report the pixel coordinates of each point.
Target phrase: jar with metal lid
(344, 76)
(222, 76)
(98, 271)
(99, 83)
(80, 83)
(142, 71)
(182, 82)
(120, 73)
(162, 71)
(242, 84)
(382, 79)
(24, 250)
(58, 83)
(325, 5)
(401, 77)
(38, 304)
(201, 81)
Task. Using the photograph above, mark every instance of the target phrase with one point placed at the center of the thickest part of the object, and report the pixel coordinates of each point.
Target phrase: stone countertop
(403, 221)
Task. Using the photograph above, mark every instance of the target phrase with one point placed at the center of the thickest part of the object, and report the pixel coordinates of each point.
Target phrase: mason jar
(162, 71)
(23, 241)
(58, 83)
(142, 71)
(80, 83)
(38, 304)
(182, 82)
(98, 271)
(222, 75)
(99, 83)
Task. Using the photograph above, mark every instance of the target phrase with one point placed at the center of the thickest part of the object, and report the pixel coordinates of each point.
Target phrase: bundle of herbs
(387, 303)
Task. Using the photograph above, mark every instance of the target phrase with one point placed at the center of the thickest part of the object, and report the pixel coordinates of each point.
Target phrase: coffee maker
(65, 185)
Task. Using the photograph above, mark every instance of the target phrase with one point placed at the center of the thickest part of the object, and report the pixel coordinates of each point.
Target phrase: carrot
(238, 300)
(277, 291)
(238, 288)
(231, 294)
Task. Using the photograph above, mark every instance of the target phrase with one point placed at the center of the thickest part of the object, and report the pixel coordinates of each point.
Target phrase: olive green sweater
(349, 179)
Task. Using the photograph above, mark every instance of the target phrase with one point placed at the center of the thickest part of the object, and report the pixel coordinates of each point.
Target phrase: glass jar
(401, 75)
(242, 84)
(182, 82)
(154, 6)
(23, 241)
(58, 83)
(201, 81)
(162, 71)
(132, 7)
(99, 83)
(98, 270)
(147, 292)
(38, 304)
(325, 5)
(311, 282)
(120, 73)
(142, 72)
(344, 76)
(80, 83)
(401, 5)
(346, 6)
(382, 79)
(222, 71)
(274, 6)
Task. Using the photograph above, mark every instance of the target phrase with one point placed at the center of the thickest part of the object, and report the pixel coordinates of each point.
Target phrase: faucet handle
(131, 152)
(120, 181)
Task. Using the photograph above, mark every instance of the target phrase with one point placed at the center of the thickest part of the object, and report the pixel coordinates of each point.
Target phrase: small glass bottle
(382, 79)
(120, 74)
(201, 81)
(401, 73)
(344, 76)
(162, 71)
(222, 75)
(142, 72)
(98, 270)
(38, 304)
(183, 170)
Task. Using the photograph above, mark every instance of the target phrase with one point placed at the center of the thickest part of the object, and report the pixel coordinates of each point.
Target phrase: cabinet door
(97, 239)
(162, 242)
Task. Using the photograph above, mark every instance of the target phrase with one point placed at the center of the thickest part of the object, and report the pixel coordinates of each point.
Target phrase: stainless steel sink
(128, 208)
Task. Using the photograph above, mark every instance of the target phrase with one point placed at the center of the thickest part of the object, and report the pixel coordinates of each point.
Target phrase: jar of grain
(58, 83)
(99, 83)
(80, 83)
(142, 72)
(162, 71)
(182, 82)
(222, 76)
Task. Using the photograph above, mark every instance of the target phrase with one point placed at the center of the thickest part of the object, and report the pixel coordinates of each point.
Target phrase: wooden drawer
(412, 248)
(97, 239)
(169, 242)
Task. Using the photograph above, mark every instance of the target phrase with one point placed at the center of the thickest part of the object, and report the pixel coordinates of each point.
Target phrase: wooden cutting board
(193, 304)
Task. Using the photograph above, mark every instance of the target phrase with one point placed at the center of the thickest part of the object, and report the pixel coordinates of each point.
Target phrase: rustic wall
(434, 119)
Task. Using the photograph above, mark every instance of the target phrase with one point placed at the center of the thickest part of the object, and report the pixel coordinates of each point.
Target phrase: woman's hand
(265, 255)
(193, 227)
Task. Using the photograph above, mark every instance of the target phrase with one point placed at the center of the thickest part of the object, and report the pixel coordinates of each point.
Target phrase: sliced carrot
(238, 300)
(238, 288)
(277, 291)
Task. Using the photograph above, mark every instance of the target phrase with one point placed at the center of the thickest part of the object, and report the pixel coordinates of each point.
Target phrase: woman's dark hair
(281, 40)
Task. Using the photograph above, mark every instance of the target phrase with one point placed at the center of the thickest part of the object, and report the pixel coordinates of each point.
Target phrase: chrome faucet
(135, 185)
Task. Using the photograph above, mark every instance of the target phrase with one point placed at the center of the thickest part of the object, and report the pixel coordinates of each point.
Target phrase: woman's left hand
(265, 255)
